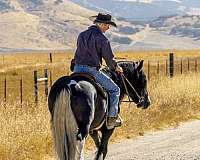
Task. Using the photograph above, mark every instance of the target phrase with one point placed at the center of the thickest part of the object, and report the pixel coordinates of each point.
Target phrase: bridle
(123, 78)
(129, 99)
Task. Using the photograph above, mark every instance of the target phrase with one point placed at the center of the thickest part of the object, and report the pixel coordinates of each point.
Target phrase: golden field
(25, 129)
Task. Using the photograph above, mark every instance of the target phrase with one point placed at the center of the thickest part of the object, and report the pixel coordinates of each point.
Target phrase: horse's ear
(139, 68)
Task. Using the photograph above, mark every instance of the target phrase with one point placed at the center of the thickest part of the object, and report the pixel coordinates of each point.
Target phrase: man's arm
(108, 55)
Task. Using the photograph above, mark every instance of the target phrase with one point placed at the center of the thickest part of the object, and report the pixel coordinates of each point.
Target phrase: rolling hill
(55, 24)
(39, 24)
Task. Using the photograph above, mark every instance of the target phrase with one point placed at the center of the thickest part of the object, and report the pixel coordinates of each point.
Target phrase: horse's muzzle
(144, 103)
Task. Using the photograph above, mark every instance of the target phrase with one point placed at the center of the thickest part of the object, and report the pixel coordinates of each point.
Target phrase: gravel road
(180, 143)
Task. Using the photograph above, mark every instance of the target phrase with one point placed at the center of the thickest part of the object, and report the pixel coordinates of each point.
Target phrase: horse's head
(136, 83)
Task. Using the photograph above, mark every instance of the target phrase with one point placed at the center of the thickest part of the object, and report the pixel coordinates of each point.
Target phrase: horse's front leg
(96, 138)
(103, 148)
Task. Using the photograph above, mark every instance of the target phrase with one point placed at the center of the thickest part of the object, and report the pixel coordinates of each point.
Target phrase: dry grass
(21, 60)
(173, 101)
(25, 131)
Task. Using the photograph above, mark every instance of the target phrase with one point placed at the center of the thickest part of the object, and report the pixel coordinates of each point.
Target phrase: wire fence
(35, 86)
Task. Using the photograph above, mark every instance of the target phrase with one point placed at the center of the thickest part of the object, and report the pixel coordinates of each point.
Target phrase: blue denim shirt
(92, 46)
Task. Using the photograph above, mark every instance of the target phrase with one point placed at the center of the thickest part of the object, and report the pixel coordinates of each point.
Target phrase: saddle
(88, 77)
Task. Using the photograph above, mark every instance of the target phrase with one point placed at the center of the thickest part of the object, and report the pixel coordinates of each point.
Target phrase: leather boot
(113, 122)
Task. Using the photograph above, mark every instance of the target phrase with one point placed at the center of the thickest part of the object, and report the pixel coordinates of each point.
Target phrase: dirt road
(181, 143)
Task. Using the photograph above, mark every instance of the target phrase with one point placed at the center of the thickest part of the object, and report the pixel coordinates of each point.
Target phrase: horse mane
(128, 68)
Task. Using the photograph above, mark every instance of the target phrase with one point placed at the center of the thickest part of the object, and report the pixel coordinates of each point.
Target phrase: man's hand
(119, 69)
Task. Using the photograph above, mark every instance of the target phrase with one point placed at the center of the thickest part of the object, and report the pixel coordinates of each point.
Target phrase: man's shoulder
(95, 32)
(100, 36)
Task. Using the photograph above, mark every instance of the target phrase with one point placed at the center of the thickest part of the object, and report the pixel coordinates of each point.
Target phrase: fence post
(171, 65)
(50, 77)
(50, 57)
(188, 64)
(46, 82)
(166, 67)
(35, 87)
(21, 92)
(40, 80)
(5, 90)
(181, 66)
(158, 67)
(196, 70)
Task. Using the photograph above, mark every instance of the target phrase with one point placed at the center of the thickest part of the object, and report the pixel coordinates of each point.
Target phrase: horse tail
(65, 128)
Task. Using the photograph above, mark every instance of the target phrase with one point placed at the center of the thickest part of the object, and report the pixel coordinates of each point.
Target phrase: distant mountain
(183, 26)
(47, 24)
(142, 10)
(55, 24)
(133, 10)
(41, 24)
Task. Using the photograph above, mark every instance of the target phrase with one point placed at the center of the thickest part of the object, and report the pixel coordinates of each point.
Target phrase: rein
(123, 80)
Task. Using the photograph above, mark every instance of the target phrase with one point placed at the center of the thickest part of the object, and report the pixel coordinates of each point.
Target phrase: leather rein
(129, 99)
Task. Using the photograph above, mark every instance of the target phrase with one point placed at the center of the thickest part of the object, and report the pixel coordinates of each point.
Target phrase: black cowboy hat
(103, 18)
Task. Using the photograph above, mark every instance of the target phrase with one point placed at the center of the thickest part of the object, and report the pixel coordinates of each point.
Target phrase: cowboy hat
(103, 18)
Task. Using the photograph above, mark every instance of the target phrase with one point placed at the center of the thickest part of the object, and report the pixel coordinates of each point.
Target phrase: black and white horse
(79, 110)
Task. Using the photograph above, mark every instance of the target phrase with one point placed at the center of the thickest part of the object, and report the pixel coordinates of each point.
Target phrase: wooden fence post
(44, 81)
(5, 90)
(35, 87)
(50, 78)
(50, 58)
(196, 70)
(181, 66)
(171, 65)
(158, 67)
(166, 67)
(21, 92)
(188, 64)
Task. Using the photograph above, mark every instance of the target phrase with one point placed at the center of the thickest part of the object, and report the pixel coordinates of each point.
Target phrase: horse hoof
(99, 157)
(79, 137)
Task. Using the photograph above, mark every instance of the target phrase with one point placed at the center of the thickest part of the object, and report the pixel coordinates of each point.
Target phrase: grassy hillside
(39, 25)
(25, 130)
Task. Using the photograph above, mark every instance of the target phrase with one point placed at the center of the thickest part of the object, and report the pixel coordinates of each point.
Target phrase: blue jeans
(107, 83)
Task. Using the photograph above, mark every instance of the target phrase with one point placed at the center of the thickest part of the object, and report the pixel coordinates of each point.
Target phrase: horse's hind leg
(103, 148)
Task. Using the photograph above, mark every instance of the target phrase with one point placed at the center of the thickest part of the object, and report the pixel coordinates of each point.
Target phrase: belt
(97, 67)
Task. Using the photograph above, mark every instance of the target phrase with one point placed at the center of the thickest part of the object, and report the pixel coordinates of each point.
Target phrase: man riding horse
(77, 104)
(92, 46)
